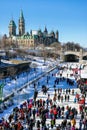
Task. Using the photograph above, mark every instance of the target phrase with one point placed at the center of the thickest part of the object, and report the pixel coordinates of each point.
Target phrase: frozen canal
(12, 86)
(27, 93)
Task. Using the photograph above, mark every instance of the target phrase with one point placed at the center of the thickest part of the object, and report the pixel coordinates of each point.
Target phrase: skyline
(69, 17)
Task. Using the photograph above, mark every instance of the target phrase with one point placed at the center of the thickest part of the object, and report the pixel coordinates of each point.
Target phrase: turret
(52, 34)
(31, 32)
(45, 31)
(40, 32)
(12, 28)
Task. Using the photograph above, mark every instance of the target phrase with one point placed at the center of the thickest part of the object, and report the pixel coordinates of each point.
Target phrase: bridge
(70, 55)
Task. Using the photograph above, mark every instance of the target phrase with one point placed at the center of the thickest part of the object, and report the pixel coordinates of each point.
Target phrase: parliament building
(32, 38)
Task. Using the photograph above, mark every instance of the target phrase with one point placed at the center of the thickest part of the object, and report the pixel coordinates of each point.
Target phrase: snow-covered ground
(29, 91)
(12, 85)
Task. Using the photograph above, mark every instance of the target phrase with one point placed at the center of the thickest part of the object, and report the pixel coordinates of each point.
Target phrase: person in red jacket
(55, 113)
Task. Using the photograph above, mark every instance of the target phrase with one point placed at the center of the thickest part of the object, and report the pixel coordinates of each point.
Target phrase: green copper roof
(39, 31)
(52, 32)
(21, 15)
(12, 23)
(27, 37)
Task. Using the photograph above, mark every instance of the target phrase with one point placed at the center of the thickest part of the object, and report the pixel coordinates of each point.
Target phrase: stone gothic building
(30, 39)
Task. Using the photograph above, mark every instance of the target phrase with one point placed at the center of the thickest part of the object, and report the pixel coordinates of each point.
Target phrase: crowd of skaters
(34, 113)
(41, 109)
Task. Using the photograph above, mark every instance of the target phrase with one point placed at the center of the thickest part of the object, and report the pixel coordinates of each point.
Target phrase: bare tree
(71, 46)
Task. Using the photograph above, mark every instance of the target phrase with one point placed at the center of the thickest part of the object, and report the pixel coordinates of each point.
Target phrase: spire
(21, 15)
(21, 24)
(45, 31)
(12, 17)
(31, 32)
(57, 32)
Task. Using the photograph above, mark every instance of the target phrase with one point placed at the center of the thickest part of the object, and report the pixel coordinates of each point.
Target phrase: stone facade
(30, 39)
(47, 38)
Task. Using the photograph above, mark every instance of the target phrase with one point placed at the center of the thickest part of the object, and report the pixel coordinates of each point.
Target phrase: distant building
(30, 39)
(47, 38)
(34, 32)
